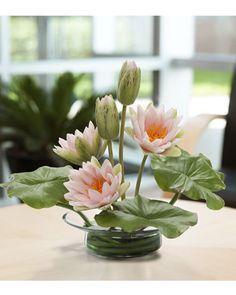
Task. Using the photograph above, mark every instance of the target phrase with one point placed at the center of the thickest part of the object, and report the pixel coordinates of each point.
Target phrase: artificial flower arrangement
(126, 226)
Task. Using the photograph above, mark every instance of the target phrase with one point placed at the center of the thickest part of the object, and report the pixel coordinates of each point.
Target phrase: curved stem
(175, 198)
(109, 144)
(87, 222)
(121, 144)
(140, 172)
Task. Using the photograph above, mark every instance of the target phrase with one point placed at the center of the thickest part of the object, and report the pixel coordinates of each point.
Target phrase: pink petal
(95, 196)
(106, 168)
(71, 142)
(63, 143)
(141, 118)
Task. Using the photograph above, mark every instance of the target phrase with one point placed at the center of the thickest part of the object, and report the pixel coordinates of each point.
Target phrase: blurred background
(52, 68)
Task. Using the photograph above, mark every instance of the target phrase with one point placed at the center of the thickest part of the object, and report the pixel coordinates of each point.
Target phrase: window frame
(156, 63)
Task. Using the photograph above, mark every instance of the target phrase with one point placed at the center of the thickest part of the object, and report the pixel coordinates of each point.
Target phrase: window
(163, 46)
(65, 41)
(123, 35)
(39, 37)
(23, 39)
(214, 36)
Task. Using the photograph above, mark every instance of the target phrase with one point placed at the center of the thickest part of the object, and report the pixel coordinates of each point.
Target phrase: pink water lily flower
(94, 185)
(80, 147)
(155, 130)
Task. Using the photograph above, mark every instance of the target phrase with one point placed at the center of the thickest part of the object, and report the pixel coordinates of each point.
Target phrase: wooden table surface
(38, 245)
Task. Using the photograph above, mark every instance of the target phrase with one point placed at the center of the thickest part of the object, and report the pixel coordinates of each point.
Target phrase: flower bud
(107, 117)
(129, 83)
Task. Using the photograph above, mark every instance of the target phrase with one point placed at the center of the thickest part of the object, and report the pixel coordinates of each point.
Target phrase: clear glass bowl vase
(114, 243)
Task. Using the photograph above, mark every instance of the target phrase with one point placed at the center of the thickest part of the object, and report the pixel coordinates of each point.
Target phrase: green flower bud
(107, 117)
(129, 83)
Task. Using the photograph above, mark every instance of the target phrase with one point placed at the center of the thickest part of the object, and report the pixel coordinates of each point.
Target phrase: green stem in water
(121, 144)
(140, 172)
(109, 144)
(87, 222)
(175, 198)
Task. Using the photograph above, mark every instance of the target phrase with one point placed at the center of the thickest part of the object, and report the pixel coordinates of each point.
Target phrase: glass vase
(114, 243)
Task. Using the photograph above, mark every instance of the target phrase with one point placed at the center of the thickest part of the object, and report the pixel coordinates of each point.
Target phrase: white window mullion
(5, 75)
(176, 40)
(103, 43)
(5, 47)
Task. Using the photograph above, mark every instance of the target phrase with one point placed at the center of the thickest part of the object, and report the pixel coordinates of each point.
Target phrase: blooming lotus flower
(155, 130)
(80, 147)
(94, 185)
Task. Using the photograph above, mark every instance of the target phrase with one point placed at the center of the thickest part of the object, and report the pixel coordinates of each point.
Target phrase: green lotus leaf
(135, 213)
(42, 188)
(190, 175)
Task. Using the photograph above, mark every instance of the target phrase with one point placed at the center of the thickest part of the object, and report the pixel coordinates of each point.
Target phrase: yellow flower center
(97, 185)
(154, 132)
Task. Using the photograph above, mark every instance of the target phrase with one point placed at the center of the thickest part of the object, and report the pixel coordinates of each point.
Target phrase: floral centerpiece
(124, 226)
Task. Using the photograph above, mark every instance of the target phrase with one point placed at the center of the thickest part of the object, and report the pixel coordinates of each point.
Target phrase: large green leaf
(191, 175)
(63, 96)
(27, 89)
(18, 108)
(41, 188)
(11, 115)
(139, 212)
